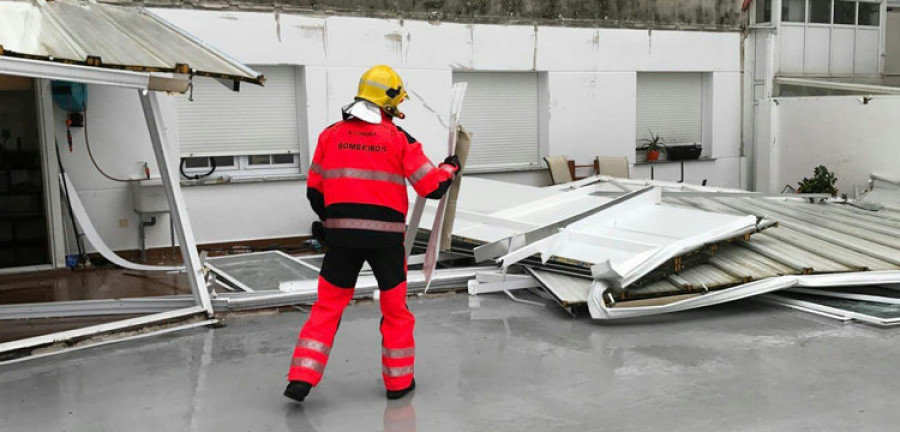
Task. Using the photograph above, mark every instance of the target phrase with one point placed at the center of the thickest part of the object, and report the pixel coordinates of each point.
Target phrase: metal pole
(177, 208)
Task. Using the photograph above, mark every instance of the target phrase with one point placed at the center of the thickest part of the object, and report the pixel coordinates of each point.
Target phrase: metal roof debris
(86, 33)
(795, 243)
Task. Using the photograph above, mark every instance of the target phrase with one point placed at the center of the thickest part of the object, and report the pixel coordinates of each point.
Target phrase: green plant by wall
(822, 181)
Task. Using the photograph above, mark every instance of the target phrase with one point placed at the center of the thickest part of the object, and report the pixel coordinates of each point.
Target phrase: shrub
(822, 182)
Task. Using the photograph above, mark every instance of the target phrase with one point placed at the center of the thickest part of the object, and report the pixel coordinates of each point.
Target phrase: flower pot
(652, 155)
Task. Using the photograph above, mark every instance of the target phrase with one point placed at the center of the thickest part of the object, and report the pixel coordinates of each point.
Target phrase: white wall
(864, 141)
(590, 80)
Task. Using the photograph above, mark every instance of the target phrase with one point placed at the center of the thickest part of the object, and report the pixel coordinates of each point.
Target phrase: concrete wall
(680, 14)
(863, 141)
(590, 80)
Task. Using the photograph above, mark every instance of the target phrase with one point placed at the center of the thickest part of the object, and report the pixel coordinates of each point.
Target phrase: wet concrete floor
(100, 283)
(483, 365)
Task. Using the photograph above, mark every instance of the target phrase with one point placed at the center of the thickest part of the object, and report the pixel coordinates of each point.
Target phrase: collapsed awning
(105, 44)
(889, 85)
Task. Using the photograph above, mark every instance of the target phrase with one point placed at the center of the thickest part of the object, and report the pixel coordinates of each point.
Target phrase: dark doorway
(24, 239)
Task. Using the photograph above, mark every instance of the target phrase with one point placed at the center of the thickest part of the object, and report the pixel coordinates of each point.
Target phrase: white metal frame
(831, 26)
(178, 210)
(599, 310)
(38, 341)
(812, 306)
(93, 75)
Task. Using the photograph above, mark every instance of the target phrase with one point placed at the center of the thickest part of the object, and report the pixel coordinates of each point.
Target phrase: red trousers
(336, 283)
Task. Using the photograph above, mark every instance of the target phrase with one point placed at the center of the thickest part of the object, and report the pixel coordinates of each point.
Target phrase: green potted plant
(653, 146)
(822, 182)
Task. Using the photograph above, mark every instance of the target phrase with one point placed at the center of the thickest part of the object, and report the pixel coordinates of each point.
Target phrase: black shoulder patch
(409, 138)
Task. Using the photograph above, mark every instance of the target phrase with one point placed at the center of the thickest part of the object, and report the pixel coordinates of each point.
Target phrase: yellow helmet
(383, 87)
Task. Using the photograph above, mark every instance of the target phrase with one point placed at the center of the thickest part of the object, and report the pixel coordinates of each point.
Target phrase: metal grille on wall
(256, 120)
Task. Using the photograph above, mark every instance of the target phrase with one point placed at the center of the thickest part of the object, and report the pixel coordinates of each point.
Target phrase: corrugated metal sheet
(567, 289)
(106, 36)
(822, 239)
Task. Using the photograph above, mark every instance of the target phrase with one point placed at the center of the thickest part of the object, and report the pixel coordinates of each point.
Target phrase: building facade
(582, 80)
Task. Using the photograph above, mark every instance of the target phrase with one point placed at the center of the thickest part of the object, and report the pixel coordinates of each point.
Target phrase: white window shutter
(670, 104)
(501, 111)
(256, 120)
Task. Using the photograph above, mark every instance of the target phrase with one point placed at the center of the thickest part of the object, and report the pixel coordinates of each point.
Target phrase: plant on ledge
(822, 182)
(653, 145)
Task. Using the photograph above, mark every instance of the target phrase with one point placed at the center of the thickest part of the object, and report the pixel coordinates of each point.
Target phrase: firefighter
(357, 187)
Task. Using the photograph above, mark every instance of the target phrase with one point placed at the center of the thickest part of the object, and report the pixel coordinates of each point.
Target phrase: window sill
(702, 159)
(226, 180)
(503, 169)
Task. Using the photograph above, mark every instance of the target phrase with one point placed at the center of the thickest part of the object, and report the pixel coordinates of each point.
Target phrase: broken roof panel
(105, 36)
(825, 244)
(620, 239)
(810, 245)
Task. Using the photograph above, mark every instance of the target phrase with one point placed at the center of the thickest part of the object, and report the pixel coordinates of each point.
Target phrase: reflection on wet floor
(91, 284)
(67, 285)
(20, 329)
(494, 365)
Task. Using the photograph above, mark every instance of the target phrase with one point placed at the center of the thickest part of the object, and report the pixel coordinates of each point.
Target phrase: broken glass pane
(260, 271)
(878, 310)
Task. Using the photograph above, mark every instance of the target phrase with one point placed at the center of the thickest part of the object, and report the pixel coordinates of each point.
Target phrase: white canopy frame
(147, 84)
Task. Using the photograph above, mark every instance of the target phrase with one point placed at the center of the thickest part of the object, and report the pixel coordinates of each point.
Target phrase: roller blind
(670, 104)
(256, 120)
(501, 110)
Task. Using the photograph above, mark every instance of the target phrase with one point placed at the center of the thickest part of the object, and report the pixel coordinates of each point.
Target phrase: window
(820, 11)
(256, 128)
(501, 110)
(205, 163)
(670, 104)
(845, 12)
(869, 14)
(237, 166)
(763, 11)
(793, 11)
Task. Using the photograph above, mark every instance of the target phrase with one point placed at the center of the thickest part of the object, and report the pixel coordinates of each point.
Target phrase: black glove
(318, 231)
(452, 160)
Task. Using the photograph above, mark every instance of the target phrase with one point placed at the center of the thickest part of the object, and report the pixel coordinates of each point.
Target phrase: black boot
(297, 390)
(397, 394)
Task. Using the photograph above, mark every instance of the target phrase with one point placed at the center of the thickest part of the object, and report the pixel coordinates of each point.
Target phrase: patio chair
(612, 166)
(559, 169)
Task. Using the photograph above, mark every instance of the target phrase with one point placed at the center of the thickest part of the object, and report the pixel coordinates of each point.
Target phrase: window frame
(706, 108)
(809, 14)
(542, 125)
(834, 22)
(242, 168)
(805, 19)
(880, 10)
(760, 5)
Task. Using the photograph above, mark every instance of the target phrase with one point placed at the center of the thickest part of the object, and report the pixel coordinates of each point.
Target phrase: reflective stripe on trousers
(395, 372)
(314, 345)
(398, 353)
(308, 363)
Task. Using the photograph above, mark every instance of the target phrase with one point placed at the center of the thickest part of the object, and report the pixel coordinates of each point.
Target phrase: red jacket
(357, 181)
